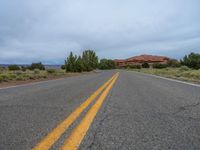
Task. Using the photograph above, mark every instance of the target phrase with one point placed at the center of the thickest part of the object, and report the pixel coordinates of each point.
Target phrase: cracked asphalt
(141, 112)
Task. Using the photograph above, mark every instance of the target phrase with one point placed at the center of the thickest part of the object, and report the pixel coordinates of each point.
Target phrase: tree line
(191, 60)
(88, 61)
(33, 66)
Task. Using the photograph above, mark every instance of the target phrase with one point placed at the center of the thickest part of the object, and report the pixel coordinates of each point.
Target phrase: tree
(145, 65)
(13, 67)
(90, 60)
(192, 60)
(39, 66)
(107, 64)
(173, 63)
(70, 63)
(159, 66)
(62, 67)
(79, 64)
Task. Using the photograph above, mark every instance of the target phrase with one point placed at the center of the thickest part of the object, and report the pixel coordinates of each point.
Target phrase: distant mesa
(139, 60)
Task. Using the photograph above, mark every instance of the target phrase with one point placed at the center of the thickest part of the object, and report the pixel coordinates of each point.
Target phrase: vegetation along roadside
(74, 65)
(187, 69)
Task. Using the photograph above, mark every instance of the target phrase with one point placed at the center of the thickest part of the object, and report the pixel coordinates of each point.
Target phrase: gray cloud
(47, 30)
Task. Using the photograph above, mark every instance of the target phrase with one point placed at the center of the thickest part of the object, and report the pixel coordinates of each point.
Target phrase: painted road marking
(77, 135)
(55, 134)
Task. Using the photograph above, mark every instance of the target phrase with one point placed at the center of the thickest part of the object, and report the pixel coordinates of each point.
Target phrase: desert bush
(4, 77)
(36, 71)
(39, 66)
(23, 68)
(19, 72)
(1, 78)
(51, 71)
(2, 69)
(19, 78)
(134, 66)
(107, 64)
(13, 67)
(173, 63)
(62, 67)
(159, 66)
(145, 65)
(184, 68)
(11, 76)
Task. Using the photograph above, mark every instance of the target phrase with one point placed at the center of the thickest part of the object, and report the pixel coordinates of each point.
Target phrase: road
(133, 111)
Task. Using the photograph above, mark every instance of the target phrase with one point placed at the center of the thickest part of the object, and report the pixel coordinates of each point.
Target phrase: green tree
(62, 67)
(107, 64)
(90, 60)
(159, 66)
(145, 65)
(70, 63)
(173, 63)
(39, 66)
(13, 67)
(79, 64)
(192, 60)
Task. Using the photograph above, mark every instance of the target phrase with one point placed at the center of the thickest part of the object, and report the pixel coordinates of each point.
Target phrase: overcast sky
(47, 30)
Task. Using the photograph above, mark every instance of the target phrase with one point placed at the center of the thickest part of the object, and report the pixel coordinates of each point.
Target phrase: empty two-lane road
(103, 111)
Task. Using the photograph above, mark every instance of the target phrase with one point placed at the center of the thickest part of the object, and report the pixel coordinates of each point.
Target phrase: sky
(47, 30)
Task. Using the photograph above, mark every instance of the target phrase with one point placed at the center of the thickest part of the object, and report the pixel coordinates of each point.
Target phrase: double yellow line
(77, 135)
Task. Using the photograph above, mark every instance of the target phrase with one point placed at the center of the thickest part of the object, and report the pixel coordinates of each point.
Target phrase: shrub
(1, 78)
(134, 67)
(173, 63)
(2, 68)
(23, 68)
(51, 71)
(36, 71)
(159, 66)
(19, 78)
(107, 64)
(18, 72)
(39, 66)
(62, 67)
(184, 68)
(145, 65)
(12, 76)
(13, 67)
(4, 77)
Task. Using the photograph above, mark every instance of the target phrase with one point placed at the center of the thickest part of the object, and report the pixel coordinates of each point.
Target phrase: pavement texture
(140, 112)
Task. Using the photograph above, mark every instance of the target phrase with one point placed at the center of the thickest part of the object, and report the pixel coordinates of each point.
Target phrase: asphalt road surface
(128, 111)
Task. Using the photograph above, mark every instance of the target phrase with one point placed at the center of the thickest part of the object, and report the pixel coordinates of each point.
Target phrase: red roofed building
(139, 60)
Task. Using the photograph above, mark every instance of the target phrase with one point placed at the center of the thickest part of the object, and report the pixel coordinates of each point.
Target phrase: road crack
(186, 107)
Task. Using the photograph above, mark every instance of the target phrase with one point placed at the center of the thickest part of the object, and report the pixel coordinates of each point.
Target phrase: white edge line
(169, 79)
(33, 83)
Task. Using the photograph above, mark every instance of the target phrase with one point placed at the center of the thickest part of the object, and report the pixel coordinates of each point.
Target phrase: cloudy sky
(47, 30)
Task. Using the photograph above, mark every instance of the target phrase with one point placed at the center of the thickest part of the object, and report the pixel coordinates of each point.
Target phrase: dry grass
(6, 75)
(182, 73)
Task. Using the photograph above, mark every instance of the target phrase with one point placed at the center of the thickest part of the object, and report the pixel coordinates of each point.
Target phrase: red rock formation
(139, 60)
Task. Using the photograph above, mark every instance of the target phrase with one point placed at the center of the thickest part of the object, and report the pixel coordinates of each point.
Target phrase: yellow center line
(77, 135)
(55, 134)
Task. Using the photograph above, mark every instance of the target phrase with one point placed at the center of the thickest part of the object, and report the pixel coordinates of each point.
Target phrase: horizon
(50, 64)
(46, 31)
